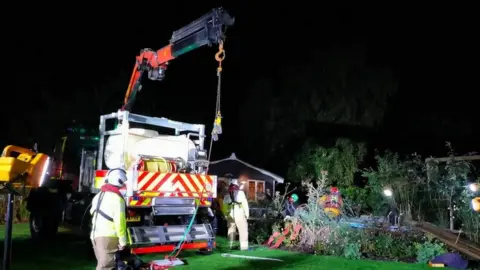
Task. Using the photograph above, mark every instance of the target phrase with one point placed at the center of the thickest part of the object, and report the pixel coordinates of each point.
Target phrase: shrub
(352, 251)
(403, 248)
(470, 219)
(20, 213)
(268, 217)
(260, 228)
(429, 249)
(316, 225)
(376, 243)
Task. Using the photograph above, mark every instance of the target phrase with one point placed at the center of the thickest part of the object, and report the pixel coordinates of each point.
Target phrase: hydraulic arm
(207, 30)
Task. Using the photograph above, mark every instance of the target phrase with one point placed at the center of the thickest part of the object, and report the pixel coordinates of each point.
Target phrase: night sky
(62, 57)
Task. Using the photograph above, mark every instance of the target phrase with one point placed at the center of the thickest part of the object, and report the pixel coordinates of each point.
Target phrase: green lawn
(69, 252)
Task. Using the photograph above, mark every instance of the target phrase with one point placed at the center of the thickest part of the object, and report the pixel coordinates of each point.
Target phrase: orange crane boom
(206, 30)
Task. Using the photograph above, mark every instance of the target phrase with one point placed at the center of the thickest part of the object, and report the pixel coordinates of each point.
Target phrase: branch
(458, 158)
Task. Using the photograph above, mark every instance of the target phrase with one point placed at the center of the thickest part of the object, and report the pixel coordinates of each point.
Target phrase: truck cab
(74, 157)
(72, 165)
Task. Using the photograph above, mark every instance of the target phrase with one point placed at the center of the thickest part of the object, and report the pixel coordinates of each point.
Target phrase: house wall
(251, 188)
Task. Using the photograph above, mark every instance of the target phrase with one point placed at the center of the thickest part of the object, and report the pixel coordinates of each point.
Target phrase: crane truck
(167, 173)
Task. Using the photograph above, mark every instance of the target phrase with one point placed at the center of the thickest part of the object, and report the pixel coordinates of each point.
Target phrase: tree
(429, 191)
(340, 161)
(450, 182)
(338, 86)
(404, 177)
(51, 109)
(90, 101)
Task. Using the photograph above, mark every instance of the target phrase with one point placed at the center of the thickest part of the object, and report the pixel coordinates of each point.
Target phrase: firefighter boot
(120, 264)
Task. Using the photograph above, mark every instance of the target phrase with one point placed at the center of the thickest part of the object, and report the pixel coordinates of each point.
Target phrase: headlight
(201, 154)
(45, 171)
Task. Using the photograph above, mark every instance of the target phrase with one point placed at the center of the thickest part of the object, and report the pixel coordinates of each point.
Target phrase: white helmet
(234, 182)
(116, 177)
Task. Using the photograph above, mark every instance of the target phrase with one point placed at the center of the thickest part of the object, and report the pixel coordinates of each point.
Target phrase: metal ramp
(148, 235)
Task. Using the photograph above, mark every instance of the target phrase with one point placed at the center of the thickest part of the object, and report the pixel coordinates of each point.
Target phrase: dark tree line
(336, 87)
(49, 109)
(326, 93)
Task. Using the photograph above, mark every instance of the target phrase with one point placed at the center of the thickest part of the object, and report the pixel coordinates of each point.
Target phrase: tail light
(131, 213)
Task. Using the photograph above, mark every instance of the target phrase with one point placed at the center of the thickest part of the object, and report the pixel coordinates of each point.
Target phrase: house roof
(237, 167)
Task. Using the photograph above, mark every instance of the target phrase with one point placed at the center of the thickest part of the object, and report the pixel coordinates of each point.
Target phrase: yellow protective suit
(109, 228)
(237, 213)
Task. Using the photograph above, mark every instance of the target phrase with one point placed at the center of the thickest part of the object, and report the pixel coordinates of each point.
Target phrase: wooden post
(7, 249)
(459, 158)
(450, 204)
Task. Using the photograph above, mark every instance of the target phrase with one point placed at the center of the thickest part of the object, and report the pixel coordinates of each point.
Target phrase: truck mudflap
(149, 239)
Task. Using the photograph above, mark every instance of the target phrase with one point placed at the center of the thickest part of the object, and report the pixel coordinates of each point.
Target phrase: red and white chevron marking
(175, 184)
(172, 184)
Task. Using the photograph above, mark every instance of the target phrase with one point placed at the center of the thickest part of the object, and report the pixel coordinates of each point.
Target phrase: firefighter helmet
(116, 177)
(234, 182)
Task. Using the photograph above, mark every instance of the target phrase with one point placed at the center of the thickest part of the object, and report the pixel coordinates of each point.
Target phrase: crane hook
(220, 56)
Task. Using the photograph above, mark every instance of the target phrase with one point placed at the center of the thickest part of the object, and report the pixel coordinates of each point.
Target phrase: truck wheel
(42, 227)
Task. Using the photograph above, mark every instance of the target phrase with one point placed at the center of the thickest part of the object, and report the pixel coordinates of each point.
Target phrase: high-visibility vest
(108, 217)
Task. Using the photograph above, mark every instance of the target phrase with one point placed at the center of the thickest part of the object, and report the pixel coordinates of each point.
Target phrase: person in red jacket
(335, 197)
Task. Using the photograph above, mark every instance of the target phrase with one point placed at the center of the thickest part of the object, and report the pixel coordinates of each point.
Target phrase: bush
(330, 237)
(267, 217)
(326, 236)
(470, 219)
(316, 225)
(260, 228)
(20, 213)
(352, 251)
(378, 244)
(429, 249)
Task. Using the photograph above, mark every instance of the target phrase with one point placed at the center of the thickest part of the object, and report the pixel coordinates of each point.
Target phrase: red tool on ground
(277, 238)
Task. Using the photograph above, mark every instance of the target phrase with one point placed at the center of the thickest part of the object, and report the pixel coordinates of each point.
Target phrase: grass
(70, 252)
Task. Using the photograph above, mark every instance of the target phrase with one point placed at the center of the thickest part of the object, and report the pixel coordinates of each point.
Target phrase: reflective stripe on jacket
(110, 220)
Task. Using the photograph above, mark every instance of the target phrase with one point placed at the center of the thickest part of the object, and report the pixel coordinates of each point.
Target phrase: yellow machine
(21, 167)
(331, 203)
(330, 211)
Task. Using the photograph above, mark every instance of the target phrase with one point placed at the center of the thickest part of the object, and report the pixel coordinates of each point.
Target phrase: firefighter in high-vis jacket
(235, 208)
(109, 227)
